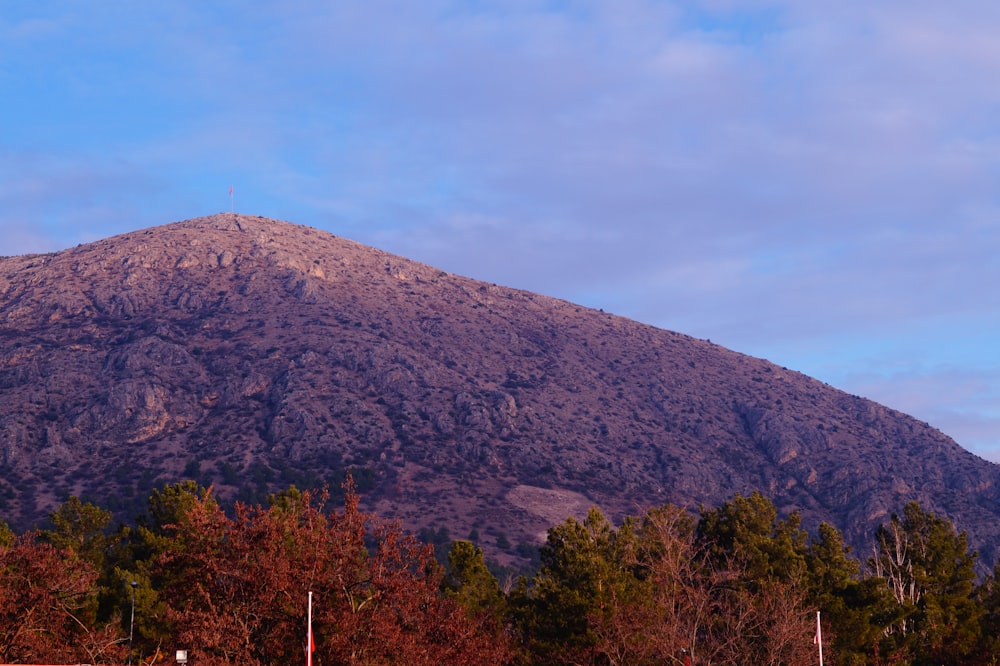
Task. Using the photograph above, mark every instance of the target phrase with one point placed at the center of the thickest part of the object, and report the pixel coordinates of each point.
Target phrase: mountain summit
(251, 353)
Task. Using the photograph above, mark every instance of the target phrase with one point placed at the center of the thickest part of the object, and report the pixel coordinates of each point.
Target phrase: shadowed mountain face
(251, 354)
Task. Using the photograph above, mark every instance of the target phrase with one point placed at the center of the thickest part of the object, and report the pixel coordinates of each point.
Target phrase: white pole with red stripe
(310, 646)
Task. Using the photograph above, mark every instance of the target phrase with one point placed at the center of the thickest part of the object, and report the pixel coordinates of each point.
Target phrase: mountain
(251, 353)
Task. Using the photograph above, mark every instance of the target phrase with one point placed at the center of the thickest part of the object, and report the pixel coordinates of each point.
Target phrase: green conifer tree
(470, 582)
(930, 572)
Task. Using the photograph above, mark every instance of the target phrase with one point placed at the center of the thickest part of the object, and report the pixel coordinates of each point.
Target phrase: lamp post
(131, 623)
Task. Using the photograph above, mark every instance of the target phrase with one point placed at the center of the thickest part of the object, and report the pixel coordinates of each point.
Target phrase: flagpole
(819, 638)
(309, 633)
(232, 204)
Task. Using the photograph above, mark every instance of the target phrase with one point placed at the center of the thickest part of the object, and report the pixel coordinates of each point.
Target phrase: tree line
(734, 584)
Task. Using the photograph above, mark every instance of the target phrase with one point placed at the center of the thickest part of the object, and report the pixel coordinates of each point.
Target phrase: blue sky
(816, 183)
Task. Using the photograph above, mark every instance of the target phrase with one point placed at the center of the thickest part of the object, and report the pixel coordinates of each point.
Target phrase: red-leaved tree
(47, 602)
(235, 590)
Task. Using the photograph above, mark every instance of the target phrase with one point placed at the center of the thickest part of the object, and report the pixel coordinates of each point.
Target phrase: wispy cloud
(960, 401)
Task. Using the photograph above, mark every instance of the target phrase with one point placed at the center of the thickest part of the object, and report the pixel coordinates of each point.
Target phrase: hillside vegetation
(733, 585)
(251, 354)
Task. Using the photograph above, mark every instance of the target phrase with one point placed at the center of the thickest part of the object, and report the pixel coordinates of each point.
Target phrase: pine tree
(470, 582)
(579, 577)
(850, 604)
(930, 573)
(748, 529)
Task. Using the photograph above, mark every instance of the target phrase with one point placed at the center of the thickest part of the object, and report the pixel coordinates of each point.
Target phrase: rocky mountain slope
(251, 353)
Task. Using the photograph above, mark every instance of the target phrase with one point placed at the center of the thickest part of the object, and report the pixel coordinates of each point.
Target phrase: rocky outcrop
(254, 354)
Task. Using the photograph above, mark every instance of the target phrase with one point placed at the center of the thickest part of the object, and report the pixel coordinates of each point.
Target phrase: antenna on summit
(232, 206)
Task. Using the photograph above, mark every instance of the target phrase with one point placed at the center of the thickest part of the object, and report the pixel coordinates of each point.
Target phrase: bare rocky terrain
(249, 354)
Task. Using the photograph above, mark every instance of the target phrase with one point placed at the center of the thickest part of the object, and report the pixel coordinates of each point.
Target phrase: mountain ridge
(249, 352)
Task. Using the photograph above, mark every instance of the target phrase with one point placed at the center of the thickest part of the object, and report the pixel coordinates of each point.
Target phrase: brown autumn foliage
(235, 590)
(46, 607)
(684, 606)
